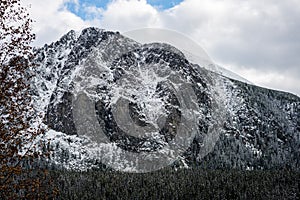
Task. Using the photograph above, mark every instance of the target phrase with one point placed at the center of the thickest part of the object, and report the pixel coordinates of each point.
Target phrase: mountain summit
(111, 101)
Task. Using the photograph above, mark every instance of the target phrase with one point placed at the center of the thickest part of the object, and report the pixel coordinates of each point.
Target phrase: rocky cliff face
(112, 101)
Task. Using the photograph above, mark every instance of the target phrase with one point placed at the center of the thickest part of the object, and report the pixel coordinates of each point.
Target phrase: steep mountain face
(112, 101)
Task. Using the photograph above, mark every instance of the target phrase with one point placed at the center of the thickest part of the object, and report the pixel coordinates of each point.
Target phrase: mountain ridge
(261, 128)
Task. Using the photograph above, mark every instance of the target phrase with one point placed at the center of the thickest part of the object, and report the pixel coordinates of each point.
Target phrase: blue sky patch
(79, 10)
(164, 4)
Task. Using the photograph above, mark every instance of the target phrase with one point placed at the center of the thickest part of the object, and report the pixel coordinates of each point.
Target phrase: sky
(257, 39)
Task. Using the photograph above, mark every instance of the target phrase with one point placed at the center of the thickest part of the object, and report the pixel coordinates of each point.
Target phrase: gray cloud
(260, 35)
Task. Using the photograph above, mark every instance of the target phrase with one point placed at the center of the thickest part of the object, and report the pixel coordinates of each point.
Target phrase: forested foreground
(180, 184)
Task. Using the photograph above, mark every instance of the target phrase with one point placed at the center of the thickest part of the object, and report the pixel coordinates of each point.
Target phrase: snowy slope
(191, 49)
(105, 94)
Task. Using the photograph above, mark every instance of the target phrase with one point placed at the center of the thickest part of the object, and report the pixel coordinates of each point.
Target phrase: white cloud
(52, 20)
(126, 15)
(264, 36)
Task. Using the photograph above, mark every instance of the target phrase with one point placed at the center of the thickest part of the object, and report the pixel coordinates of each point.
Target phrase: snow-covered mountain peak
(114, 101)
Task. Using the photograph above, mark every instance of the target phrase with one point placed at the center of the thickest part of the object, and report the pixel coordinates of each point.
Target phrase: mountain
(113, 102)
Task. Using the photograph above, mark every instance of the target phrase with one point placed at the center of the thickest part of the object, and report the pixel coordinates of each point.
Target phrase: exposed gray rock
(259, 128)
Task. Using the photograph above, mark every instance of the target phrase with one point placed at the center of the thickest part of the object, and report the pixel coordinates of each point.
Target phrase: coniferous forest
(178, 184)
